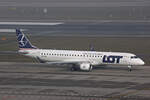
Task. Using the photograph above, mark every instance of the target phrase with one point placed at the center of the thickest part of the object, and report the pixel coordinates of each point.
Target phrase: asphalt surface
(34, 81)
(112, 29)
(49, 10)
(74, 3)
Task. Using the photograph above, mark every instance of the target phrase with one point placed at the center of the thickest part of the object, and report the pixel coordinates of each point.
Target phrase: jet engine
(85, 67)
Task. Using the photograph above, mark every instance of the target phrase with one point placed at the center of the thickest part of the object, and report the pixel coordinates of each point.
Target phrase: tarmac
(50, 10)
(86, 29)
(34, 81)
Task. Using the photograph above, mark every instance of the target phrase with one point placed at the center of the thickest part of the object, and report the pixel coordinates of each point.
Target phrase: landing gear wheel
(130, 68)
(73, 69)
(90, 69)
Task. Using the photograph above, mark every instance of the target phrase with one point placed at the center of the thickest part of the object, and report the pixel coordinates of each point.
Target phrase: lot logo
(111, 59)
(22, 40)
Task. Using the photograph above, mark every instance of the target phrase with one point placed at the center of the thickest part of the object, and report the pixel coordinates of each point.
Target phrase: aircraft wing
(69, 62)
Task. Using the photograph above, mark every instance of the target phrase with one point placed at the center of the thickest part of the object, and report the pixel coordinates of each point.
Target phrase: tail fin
(23, 41)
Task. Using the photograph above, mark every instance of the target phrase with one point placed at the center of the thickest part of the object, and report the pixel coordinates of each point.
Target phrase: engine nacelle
(85, 66)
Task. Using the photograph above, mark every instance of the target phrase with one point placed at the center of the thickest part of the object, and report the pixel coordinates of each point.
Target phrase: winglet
(91, 48)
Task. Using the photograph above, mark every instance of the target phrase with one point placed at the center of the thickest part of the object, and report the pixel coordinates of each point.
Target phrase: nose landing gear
(130, 68)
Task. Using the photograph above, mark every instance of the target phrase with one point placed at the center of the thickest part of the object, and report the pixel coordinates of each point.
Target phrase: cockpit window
(133, 57)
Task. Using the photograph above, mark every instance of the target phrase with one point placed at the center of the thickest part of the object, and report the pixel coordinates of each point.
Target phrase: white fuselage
(91, 57)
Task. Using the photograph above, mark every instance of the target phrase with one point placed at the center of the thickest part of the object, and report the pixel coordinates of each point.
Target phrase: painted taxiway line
(11, 30)
(29, 23)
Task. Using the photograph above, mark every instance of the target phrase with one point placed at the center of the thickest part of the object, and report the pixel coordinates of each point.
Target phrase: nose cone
(141, 62)
(137, 62)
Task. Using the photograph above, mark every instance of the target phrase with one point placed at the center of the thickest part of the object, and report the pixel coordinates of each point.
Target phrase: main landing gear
(73, 67)
(130, 68)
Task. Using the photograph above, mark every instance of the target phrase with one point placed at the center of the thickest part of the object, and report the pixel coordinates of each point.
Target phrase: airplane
(82, 60)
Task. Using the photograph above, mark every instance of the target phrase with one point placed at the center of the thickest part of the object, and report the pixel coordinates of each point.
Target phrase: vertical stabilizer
(23, 42)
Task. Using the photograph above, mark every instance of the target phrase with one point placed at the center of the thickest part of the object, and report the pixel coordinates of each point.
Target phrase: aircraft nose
(141, 62)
